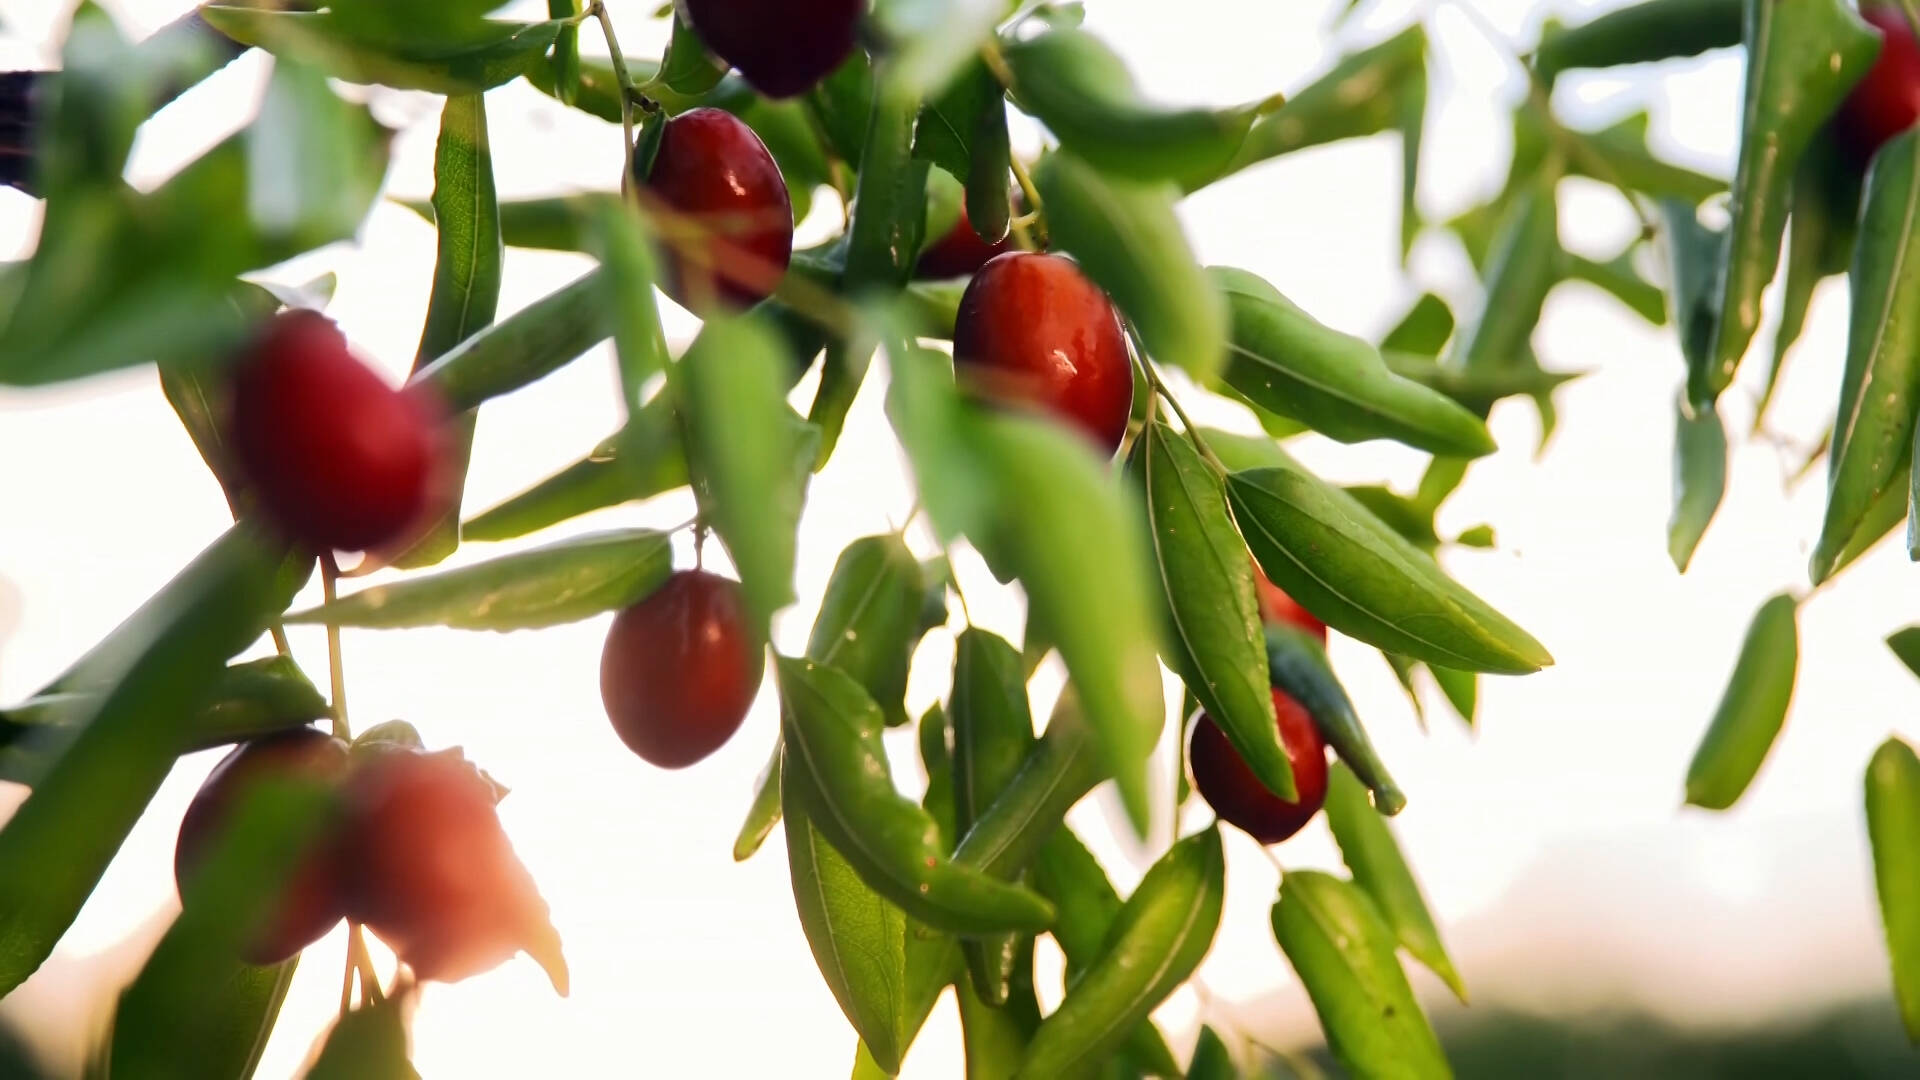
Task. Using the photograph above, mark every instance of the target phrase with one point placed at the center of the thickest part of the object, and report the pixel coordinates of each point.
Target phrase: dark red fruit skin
(959, 253)
(312, 902)
(1887, 101)
(1033, 330)
(680, 670)
(430, 870)
(781, 47)
(714, 172)
(338, 459)
(1277, 607)
(1222, 777)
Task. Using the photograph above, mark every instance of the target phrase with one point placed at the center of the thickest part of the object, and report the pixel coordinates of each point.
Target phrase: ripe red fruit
(781, 47)
(1033, 330)
(430, 870)
(1222, 777)
(311, 902)
(338, 458)
(717, 174)
(1277, 607)
(1887, 101)
(680, 670)
(959, 253)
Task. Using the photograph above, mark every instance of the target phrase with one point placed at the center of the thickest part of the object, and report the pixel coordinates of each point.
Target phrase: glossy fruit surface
(959, 253)
(338, 458)
(1277, 607)
(680, 669)
(311, 902)
(1222, 777)
(1887, 101)
(429, 869)
(717, 175)
(781, 47)
(1033, 330)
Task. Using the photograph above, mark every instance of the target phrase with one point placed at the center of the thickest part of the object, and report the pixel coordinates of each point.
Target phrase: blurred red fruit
(1222, 777)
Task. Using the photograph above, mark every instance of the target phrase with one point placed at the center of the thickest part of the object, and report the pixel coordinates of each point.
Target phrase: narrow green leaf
(1889, 509)
(750, 453)
(1297, 664)
(368, 1043)
(1156, 941)
(1641, 33)
(1694, 253)
(1410, 102)
(964, 131)
(1699, 479)
(1065, 528)
(841, 376)
(1206, 584)
(1081, 89)
(1211, 1058)
(527, 346)
(1060, 769)
(1751, 711)
(1343, 950)
(503, 52)
(1288, 362)
(836, 768)
(306, 174)
(565, 581)
(869, 619)
(1372, 854)
(924, 407)
(1131, 244)
(688, 68)
(564, 61)
(1357, 98)
(1423, 330)
(618, 470)
(1360, 577)
(1906, 645)
(1880, 388)
(1620, 279)
(994, 1037)
(1618, 155)
(1460, 688)
(1821, 229)
(1477, 391)
(842, 105)
(1893, 825)
(992, 731)
(764, 812)
(1802, 58)
(933, 40)
(466, 282)
(889, 208)
(155, 670)
(556, 223)
(1521, 270)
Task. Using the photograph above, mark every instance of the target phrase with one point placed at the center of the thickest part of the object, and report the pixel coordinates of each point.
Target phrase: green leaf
(1752, 709)
(1360, 577)
(884, 235)
(1880, 388)
(1618, 155)
(1893, 825)
(835, 767)
(964, 131)
(1641, 33)
(1343, 950)
(1693, 270)
(466, 282)
(1699, 480)
(556, 223)
(500, 53)
(1297, 663)
(565, 581)
(629, 271)
(1063, 525)
(1060, 769)
(1477, 391)
(1821, 229)
(992, 731)
(368, 1043)
(994, 1037)
(1461, 688)
(196, 1010)
(764, 812)
(1206, 583)
(1802, 59)
(1906, 645)
(618, 470)
(1423, 330)
(1359, 97)
(1211, 1058)
(1620, 279)
(307, 174)
(1077, 86)
(527, 346)
(1131, 244)
(1286, 361)
(1889, 509)
(154, 672)
(751, 455)
(1410, 104)
(932, 41)
(1157, 940)
(564, 61)
(924, 407)
(1372, 854)
(1521, 270)
(869, 619)
(842, 104)
(688, 68)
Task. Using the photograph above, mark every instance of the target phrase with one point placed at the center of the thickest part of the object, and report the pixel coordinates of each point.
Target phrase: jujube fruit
(311, 901)
(680, 669)
(1886, 101)
(1222, 777)
(1277, 607)
(716, 174)
(1033, 330)
(781, 47)
(337, 458)
(959, 253)
(429, 869)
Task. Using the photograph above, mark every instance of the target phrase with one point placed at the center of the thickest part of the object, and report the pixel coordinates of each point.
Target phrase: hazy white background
(1552, 842)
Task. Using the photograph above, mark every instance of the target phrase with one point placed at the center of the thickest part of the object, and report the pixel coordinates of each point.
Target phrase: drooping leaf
(1693, 254)
(500, 54)
(561, 582)
(1752, 709)
(1893, 826)
(1297, 664)
(1821, 229)
(1343, 950)
(992, 731)
(1699, 479)
(869, 619)
(1521, 270)
(1640, 33)
(527, 346)
(1373, 856)
(1802, 58)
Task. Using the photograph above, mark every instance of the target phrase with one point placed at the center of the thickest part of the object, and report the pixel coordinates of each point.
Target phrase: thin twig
(627, 90)
(1034, 206)
(280, 642)
(1193, 430)
(336, 670)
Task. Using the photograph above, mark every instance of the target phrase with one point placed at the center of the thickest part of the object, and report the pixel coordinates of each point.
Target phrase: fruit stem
(280, 642)
(627, 91)
(1034, 206)
(336, 671)
(1193, 429)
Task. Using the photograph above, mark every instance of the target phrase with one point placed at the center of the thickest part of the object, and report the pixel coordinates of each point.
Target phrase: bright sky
(1551, 843)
